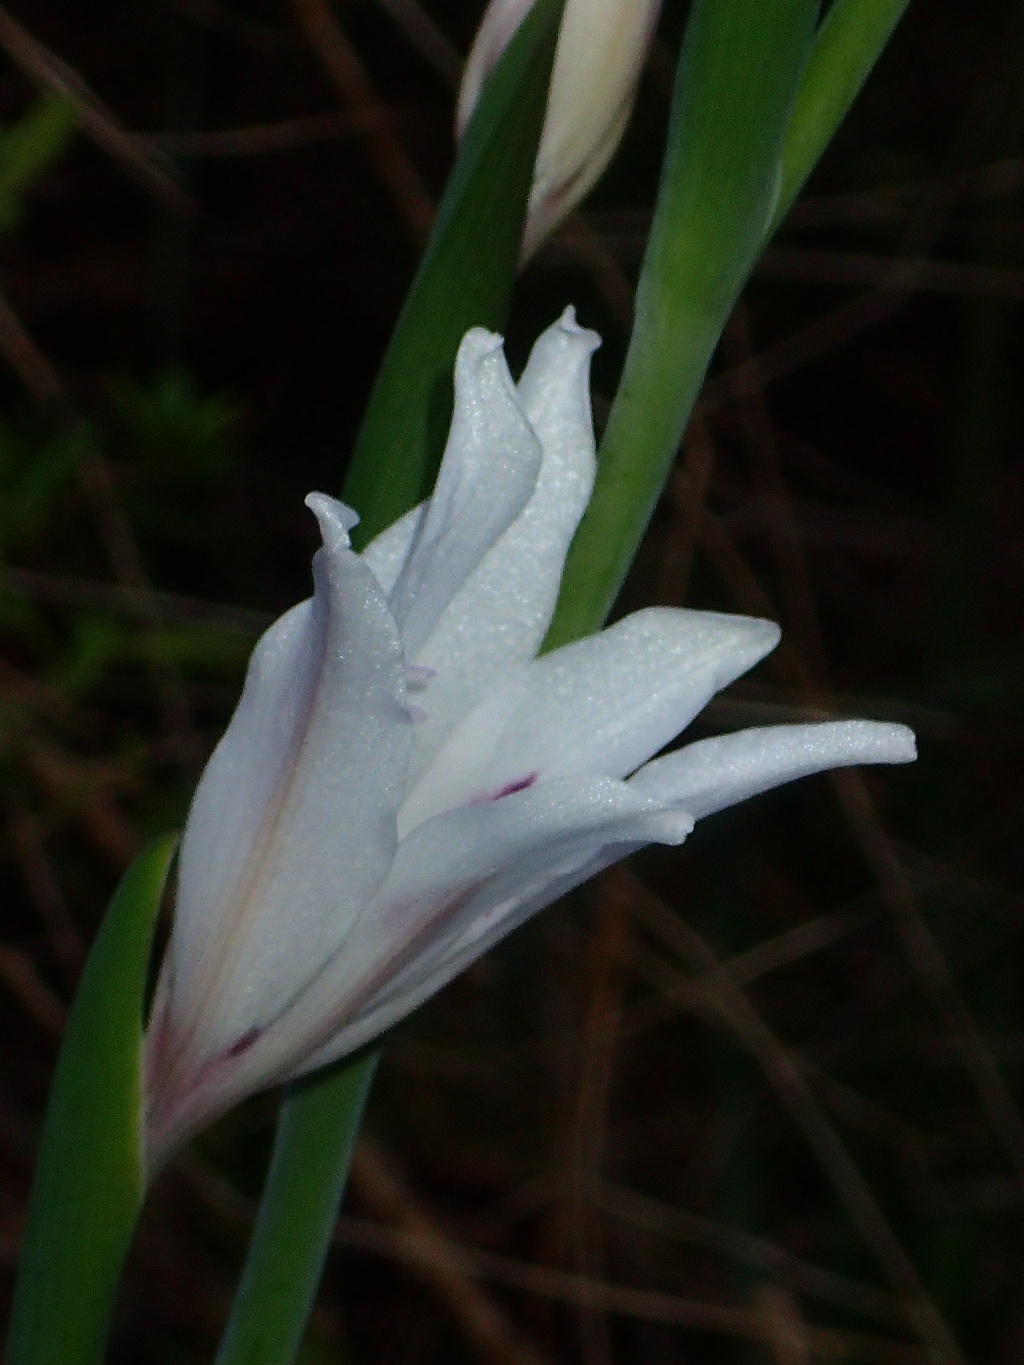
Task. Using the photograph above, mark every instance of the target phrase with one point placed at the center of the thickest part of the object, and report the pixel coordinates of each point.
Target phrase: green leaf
(316, 1133)
(850, 40)
(89, 1175)
(464, 280)
(29, 148)
(739, 71)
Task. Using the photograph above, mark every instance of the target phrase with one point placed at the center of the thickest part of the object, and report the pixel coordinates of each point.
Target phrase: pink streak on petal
(521, 784)
(243, 1044)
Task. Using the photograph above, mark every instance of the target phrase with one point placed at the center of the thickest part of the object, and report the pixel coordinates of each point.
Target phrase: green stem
(739, 71)
(850, 40)
(316, 1133)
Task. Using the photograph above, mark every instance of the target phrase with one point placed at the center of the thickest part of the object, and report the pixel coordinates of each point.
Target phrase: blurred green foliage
(37, 468)
(29, 148)
(171, 432)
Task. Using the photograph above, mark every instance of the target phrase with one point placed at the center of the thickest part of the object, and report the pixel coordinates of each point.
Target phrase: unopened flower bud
(600, 55)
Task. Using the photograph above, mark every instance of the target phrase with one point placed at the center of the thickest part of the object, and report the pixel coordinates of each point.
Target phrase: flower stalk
(739, 72)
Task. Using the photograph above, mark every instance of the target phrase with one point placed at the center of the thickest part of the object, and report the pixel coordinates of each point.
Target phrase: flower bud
(601, 52)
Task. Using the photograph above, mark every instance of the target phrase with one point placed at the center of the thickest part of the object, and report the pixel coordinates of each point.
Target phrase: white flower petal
(600, 706)
(487, 476)
(386, 554)
(499, 617)
(715, 773)
(467, 878)
(293, 826)
(697, 780)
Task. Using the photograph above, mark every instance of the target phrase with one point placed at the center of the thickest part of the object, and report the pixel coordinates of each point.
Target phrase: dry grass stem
(642, 1304)
(427, 37)
(785, 1074)
(756, 1252)
(482, 1321)
(352, 81)
(133, 153)
(40, 1002)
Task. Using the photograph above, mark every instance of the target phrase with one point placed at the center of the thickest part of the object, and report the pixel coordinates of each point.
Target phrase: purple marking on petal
(521, 784)
(244, 1043)
(415, 713)
(511, 788)
(418, 675)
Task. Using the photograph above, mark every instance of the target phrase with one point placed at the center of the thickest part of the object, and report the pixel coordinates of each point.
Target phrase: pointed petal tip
(671, 827)
(481, 369)
(476, 345)
(750, 639)
(863, 741)
(568, 325)
(335, 518)
(738, 641)
(764, 635)
(893, 743)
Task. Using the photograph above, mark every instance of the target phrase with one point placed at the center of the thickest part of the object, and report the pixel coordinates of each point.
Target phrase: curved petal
(499, 616)
(495, 921)
(553, 196)
(293, 825)
(467, 878)
(600, 706)
(487, 476)
(715, 773)
(386, 554)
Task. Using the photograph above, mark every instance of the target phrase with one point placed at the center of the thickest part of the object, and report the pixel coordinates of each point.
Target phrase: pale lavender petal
(487, 476)
(293, 826)
(598, 707)
(715, 773)
(499, 24)
(386, 554)
(601, 50)
(500, 615)
(467, 878)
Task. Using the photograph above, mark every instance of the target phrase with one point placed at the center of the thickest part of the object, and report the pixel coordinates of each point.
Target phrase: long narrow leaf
(89, 1175)
(464, 280)
(850, 40)
(308, 1170)
(739, 71)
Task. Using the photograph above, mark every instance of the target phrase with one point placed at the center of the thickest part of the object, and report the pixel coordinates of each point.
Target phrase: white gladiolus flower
(601, 51)
(404, 780)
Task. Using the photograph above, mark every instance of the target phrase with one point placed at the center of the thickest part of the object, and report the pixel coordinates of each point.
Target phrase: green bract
(89, 1176)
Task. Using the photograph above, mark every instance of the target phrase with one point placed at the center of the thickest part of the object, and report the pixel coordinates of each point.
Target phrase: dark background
(756, 1099)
